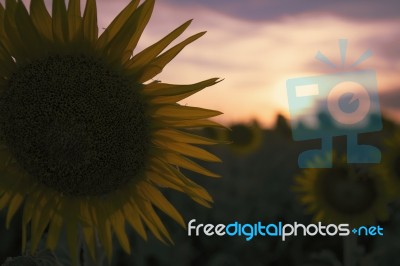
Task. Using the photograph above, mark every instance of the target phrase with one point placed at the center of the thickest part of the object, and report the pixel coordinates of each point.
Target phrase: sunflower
(343, 194)
(389, 168)
(86, 139)
(245, 139)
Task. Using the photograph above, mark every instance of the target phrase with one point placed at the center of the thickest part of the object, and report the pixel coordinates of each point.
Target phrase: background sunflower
(244, 138)
(85, 142)
(389, 169)
(343, 194)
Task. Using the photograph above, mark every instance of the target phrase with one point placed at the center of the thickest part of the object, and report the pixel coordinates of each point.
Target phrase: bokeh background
(255, 46)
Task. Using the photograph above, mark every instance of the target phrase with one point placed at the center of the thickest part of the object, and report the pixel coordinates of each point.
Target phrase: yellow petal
(85, 215)
(148, 54)
(74, 20)
(202, 202)
(27, 29)
(2, 30)
(158, 199)
(69, 210)
(60, 24)
(41, 18)
(17, 48)
(118, 223)
(4, 199)
(13, 207)
(166, 174)
(179, 112)
(189, 123)
(184, 137)
(29, 206)
(174, 93)
(90, 240)
(54, 231)
(129, 34)
(182, 184)
(171, 172)
(165, 89)
(186, 163)
(1, 12)
(41, 218)
(11, 5)
(188, 150)
(90, 29)
(134, 220)
(104, 229)
(152, 220)
(157, 65)
(196, 190)
(73, 240)
(115, 26)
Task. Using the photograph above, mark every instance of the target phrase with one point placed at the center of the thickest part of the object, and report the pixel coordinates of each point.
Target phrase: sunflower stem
(350, 250)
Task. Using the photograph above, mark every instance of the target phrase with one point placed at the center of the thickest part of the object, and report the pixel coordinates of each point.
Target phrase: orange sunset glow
(256, 46)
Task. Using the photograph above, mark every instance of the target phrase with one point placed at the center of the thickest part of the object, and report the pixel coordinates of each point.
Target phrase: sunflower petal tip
(215, 175)
(218, 113)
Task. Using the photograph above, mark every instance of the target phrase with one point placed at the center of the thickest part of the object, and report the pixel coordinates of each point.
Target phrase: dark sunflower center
(346, 194)
(75, 125)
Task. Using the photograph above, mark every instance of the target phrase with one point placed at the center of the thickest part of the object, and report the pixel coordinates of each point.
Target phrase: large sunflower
(85, 139)
(343, 194)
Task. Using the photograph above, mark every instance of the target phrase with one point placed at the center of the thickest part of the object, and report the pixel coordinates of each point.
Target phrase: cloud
(260, 10)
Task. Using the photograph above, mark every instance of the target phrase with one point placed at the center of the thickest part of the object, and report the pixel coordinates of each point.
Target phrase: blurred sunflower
(42, 258)
(85, 142)
(389, 168)
(343, 194)
(245, 139)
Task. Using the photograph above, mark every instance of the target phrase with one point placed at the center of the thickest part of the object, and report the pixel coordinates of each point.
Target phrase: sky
(257, 45)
